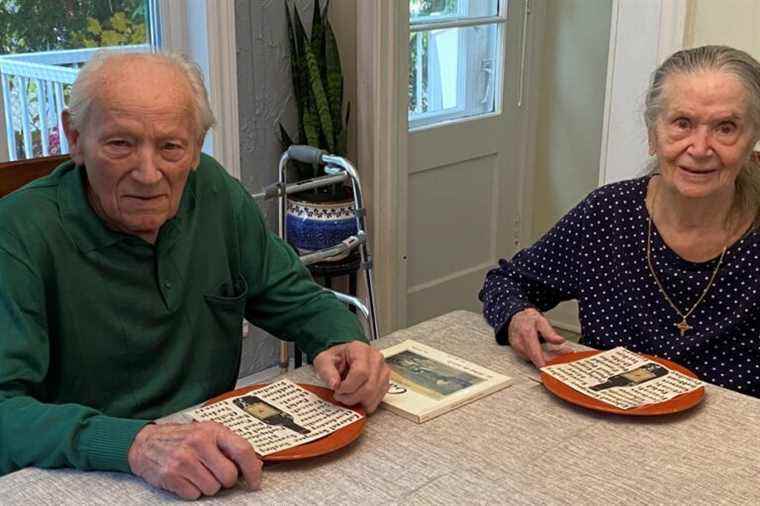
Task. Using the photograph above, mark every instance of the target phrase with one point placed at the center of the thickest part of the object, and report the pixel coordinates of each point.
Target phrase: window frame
(154, 41)
(214, 48)
(423, 24)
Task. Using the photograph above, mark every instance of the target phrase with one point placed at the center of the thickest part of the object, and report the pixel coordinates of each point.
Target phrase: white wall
(569, 126)
(726, 22)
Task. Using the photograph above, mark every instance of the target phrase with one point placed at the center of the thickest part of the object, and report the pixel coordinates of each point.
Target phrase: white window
(39, 64)
(455, 58)
(42, 73)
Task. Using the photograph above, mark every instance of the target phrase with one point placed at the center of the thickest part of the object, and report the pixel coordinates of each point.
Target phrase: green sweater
(101, 331)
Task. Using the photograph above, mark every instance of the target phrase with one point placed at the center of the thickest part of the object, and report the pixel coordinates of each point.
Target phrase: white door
(470, 116)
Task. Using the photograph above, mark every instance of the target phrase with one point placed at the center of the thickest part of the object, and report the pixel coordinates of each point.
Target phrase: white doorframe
(215, 52)
(382, 70)
(222, 53)
(642, 35)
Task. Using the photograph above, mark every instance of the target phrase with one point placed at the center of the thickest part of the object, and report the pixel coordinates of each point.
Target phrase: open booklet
(278, 416)
(623, 378)
(426, 382)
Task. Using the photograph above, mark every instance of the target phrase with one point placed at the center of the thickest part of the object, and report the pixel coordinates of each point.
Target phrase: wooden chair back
(14, 175)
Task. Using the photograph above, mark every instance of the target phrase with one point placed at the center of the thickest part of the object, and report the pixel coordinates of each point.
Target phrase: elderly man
(124, 278)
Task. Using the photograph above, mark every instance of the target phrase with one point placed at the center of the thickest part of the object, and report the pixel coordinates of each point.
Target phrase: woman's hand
(523, 332)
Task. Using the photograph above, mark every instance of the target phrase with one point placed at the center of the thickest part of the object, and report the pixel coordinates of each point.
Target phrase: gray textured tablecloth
(520, 445)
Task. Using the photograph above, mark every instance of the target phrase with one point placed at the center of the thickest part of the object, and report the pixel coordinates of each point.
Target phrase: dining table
(519, 445)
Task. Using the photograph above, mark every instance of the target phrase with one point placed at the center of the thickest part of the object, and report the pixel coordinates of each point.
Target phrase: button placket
(170, 279)
(167, 279)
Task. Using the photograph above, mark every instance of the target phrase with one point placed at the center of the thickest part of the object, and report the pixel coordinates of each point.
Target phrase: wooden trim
(222, 62)
(14, 175)
(382, 131)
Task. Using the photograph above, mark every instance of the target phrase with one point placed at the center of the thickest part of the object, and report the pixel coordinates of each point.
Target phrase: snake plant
(317, 87)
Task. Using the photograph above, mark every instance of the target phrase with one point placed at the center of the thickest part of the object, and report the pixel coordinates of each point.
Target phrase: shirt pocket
(227, 303)
(224, 324)
(229, 293)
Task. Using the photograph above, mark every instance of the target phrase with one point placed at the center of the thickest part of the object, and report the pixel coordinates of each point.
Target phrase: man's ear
(74, 138)
(198, 151)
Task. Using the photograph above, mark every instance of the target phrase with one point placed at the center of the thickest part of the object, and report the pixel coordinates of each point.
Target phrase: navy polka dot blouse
(597, 255)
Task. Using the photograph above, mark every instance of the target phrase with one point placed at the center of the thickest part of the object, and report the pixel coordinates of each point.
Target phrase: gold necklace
(682, 326)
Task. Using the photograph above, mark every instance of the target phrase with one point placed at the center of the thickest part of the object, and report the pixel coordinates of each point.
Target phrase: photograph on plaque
(426, 382)
(428, 377)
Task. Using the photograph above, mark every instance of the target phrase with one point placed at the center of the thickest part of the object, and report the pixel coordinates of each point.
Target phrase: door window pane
(455, 49)
(437, 9)
(452, 73)
(42, 46)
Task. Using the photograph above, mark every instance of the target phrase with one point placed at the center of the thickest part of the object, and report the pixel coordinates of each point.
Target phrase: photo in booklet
(426, 382)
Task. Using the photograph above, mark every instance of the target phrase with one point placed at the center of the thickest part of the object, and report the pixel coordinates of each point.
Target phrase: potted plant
(321, 217)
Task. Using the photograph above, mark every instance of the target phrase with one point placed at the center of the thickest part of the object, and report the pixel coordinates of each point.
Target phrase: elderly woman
(667, 264)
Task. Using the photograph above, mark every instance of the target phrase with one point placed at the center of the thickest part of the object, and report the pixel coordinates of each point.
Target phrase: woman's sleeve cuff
(500, 332)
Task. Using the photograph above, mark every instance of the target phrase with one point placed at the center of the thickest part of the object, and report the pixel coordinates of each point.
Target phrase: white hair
(85, 88)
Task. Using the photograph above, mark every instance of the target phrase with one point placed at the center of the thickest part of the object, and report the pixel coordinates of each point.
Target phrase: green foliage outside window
(34, 26)
(117, 31)
(28, 26)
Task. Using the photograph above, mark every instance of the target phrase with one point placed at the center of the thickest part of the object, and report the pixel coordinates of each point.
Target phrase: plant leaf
(285, 140)
(320, 101)
(294, 55)
(302, 171)
(324, 10)
(334, 87)
(325, 20)
(318, 39)
(342, 143)
(301, 87)
(311, 124)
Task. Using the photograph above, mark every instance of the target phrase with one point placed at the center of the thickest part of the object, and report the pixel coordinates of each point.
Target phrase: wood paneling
(14, 175)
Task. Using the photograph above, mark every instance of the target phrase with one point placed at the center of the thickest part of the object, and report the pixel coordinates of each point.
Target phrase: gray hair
(723, 59)
(85, 88)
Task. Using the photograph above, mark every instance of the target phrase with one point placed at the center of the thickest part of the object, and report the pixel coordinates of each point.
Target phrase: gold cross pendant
(683, 326)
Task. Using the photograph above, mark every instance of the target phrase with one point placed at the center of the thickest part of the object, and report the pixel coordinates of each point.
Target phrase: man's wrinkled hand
(356, 372)
(524, 331)
(193, 459)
